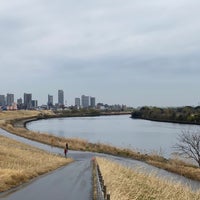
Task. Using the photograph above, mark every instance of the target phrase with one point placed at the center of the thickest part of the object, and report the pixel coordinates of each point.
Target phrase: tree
(189, 145)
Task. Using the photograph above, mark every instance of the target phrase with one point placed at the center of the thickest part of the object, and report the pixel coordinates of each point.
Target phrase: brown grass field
(8, 119)
(20, 163)
(128, 184)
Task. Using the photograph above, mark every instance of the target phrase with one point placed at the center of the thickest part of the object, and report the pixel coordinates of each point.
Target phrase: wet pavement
(70, 182)
(74, 181)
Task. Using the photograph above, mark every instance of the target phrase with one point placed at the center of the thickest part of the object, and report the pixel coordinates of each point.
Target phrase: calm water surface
(121, 131)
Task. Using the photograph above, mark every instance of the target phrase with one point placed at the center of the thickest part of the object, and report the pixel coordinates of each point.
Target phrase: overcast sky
(134, 52)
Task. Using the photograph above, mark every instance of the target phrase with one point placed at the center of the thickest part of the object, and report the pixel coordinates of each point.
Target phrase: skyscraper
(10, 99)
(77, 102)
(19, 103)
(85, 101)
(60, 97)
(92, 102)
(27, 101)
(2, 100)
(34, 103)
(50, 101)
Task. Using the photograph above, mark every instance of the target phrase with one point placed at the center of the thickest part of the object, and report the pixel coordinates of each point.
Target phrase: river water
(121, 131)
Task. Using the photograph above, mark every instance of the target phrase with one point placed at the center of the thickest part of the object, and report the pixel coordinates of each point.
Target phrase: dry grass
(128, 184)
(20, 163)
(172, 165)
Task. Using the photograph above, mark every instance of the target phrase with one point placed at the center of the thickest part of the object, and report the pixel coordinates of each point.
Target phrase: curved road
(74, 181)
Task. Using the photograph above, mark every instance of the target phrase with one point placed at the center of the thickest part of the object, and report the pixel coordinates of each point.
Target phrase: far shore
(167, 121)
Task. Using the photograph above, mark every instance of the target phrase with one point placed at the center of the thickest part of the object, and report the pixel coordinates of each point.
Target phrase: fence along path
(101, 188)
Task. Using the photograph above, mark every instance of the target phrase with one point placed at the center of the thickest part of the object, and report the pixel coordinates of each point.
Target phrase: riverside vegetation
(186, 114)
(10, 122)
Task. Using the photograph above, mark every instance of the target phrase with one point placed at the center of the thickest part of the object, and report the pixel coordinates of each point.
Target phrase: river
(121, 131)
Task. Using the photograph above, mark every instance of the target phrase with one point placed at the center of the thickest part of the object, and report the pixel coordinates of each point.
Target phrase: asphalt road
(74, 181)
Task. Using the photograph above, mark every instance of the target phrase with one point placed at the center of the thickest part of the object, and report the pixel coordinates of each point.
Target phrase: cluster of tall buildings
(50, 102)
(85, 102)
(7, 102)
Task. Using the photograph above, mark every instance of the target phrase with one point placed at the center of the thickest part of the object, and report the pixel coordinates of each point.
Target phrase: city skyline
(134, 52)
(27, 100)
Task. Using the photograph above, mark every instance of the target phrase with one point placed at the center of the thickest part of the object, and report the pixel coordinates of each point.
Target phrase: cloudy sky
(134, 52)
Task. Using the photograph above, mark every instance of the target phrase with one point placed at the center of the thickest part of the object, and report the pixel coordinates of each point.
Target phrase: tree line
(186, 114)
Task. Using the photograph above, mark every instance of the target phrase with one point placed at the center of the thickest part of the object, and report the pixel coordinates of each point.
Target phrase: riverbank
(172, 165)
(167, 121)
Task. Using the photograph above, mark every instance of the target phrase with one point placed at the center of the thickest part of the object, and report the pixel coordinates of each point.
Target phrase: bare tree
(189, 145)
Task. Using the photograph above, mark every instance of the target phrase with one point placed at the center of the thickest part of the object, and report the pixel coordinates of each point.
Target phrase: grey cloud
(85, 39)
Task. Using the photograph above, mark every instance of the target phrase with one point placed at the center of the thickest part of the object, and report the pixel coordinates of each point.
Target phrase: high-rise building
(34, 103)
(10, 99)
(60, 97)
(85, 101)
(92, 102)
(50, 101)
(27, 101)
(2, 100)
(19, 103)
(77, 102)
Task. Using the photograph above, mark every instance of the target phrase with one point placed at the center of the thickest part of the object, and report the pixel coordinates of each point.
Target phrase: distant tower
(92, 102)
(60, 97)
(2, 100)
(77, 102)
(85, 101)
(50, 101)
(27, 101)
(34, 103)
(10, 99)
(19, 103)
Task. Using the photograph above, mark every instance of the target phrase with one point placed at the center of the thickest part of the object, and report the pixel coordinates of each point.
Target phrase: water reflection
(141, 135)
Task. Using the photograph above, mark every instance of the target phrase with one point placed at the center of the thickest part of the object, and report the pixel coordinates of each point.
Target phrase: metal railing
(100, 186)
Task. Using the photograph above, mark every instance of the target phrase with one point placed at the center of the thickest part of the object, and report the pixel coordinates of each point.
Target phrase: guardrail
(101, 189)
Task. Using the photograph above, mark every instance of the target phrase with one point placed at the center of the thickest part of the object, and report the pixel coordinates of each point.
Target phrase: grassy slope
(128, 184)
(20, 163)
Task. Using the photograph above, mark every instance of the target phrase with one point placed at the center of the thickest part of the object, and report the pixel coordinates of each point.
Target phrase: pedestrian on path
(66, 149)
(67, 146)
(65, 152)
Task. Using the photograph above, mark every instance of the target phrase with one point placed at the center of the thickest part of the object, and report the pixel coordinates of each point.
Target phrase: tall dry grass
(128, 184)
(20, 162)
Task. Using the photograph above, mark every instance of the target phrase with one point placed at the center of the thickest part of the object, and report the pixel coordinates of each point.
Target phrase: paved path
(74, 181)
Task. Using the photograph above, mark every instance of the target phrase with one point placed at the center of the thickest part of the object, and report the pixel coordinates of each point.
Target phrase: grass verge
(20, 162)
(128, 184)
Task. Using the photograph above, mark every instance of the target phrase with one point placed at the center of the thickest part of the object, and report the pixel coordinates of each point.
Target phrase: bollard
(108, 197)
(104, 191)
